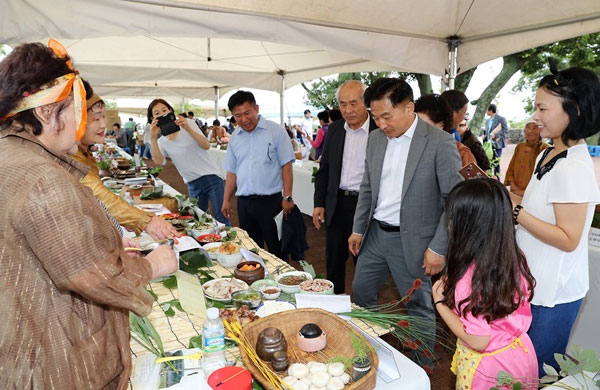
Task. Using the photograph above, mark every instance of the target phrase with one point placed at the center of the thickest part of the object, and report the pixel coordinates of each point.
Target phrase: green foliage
(307, 267)
(155, 171)
(195, 342)
(152, 193)
(168, 306)
(186, 205)
(361, 349)
(231, 235)
(321, 92)
(579, 51)
(110, 104)
(576, 362)
(170, 282)
(347, 361)
(193, 261)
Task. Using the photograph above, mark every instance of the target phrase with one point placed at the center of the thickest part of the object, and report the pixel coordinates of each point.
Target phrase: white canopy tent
(297, 40)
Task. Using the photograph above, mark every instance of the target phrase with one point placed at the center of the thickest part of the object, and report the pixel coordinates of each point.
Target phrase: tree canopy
(533, 64)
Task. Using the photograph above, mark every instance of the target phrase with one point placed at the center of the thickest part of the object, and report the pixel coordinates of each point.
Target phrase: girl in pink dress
(486, 288)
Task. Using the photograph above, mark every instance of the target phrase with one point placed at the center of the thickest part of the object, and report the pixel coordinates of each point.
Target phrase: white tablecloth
(585, 332)
(304, 188)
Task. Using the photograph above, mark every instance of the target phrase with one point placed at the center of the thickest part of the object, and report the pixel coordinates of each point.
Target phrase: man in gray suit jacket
(410, 168)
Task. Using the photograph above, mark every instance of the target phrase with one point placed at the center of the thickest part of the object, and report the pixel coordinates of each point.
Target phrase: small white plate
(281, 306)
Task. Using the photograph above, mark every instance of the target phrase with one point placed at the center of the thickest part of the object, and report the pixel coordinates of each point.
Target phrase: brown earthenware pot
(270, 340)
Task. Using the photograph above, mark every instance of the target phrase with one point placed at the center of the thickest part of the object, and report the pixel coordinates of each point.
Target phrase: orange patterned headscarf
(57, 90)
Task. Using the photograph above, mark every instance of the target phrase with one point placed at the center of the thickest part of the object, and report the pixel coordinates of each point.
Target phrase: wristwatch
(288, 198)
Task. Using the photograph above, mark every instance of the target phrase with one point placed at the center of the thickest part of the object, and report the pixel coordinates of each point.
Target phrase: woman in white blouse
(556, 210)
(188, 149)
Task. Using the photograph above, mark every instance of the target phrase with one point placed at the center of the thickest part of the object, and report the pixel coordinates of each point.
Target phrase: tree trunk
(310, 92)
(512, 64)
(424, 81)
(462, 81)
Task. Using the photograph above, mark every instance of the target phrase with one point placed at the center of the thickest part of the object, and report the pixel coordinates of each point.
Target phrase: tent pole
(217, 91)
(282, 98)
(453, 43)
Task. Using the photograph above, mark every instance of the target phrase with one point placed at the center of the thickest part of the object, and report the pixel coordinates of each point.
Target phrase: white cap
(212, 313)
(530, 120)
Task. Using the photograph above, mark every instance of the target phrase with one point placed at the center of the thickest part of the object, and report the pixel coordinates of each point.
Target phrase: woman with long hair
(188, 148)
(66, 284)
(556, 211)
(484, 293)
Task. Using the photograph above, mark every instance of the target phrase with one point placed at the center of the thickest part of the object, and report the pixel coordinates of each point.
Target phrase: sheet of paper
(279, 222)
(157, 209)
(186, 243)
(191, 294)
(388, 369)
(251, 256)
(331, 303)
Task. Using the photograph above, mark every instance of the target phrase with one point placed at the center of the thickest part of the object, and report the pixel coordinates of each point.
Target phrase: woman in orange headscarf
(66, 284)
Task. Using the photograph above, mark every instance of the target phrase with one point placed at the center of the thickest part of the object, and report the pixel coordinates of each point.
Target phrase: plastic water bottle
(213, 342)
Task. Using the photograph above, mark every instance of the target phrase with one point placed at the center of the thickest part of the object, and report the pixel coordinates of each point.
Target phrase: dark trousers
(550, 331)
(256, 215)
(497, 153)
(338, 232)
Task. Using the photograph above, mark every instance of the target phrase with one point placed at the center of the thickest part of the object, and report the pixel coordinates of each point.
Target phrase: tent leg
(453, 43)
(282, 99)
(217, 92)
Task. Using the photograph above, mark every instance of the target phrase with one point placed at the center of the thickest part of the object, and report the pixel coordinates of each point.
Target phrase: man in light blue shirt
(259, 164)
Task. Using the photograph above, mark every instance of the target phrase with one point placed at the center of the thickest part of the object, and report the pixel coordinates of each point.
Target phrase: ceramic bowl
(288, 288)
(229, 261)
(210, 245)
(304, 286)
(270, 296)
(256, 286)
(250, 276)
(250, 298)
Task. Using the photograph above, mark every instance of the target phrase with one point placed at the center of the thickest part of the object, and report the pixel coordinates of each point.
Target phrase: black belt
(348, 193)
(255, 196)
(387, 227)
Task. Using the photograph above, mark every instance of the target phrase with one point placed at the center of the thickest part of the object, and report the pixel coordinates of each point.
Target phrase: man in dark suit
(338, 180)
(496, 130)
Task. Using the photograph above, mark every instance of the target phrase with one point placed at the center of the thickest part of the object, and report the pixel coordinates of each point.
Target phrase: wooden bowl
(249, 276)
(289, 323)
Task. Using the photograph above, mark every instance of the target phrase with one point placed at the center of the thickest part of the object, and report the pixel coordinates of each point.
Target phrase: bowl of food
(123, 163)
(206, 238)
(221, 289)
(270, 292)
(228, 255)
(250, 298)
(211, 249)
(259, 284)
(317, 286)
(249, 271)
(289, 282)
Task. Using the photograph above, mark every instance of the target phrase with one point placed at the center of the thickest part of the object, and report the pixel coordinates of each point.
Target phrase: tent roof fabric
(130, 46)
